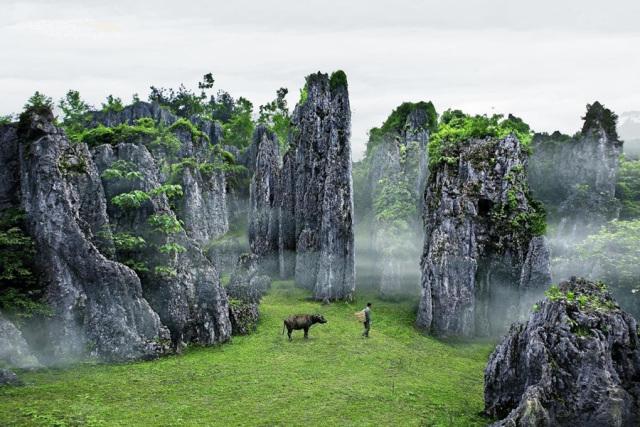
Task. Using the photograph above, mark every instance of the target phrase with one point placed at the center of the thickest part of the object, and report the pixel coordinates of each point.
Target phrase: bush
(131, 200)
(165, 223)
(456, 127)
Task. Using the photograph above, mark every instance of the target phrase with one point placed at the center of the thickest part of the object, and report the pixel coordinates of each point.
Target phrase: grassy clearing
(396, 377)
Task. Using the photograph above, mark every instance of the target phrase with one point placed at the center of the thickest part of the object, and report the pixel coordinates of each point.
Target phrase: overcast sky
(543, 60)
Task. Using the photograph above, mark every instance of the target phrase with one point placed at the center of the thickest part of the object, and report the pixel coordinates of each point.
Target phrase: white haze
(540, 60)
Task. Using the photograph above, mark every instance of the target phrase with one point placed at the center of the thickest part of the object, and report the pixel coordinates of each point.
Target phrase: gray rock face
(9, 378)
(323, 190)
(480, 255)
(397, 159)
(575, 178)
(245, 290)
(97, 303)
(131, 113)
(182, 286)
(287, 217)
(575, 362)
(14, 350)
(264, 211)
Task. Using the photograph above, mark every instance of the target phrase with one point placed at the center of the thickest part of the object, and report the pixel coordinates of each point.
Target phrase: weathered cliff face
(575, 178)
(481, 260)
(287, 216)
(131, 113)
(97, 304)
(323, 189)
(578, 345)
(179, 282)
(395, 169)
(264, 226)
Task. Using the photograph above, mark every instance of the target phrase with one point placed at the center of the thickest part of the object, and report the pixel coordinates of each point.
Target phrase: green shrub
(169, 190)
(172, 248)
(165, 223)
(165, 271)
(127, 242)
(19, 291)
(337, 80)
(122, 169)
(185, 124)
(456, 127)
(131, 200)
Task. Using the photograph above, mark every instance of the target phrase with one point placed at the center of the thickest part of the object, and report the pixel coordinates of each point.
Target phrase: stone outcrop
(9, 378)
(182, 286)
(97, 304)
(264, 199)
(14, 350)
(481, 260)
(576, 361)
(246, 288)
(575, 177)
(323, 208)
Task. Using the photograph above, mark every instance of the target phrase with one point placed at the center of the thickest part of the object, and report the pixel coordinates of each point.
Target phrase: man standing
(367, 320)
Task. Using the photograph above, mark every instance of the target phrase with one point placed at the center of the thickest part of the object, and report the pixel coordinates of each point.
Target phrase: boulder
(576, 361)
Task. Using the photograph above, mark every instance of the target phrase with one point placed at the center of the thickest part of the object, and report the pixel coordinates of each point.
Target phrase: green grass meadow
(397, 377)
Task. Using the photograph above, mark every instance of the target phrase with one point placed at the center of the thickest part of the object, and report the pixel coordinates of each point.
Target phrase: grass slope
(396, 377)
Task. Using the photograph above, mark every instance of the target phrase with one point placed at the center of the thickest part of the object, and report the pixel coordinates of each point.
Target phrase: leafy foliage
(122, 169)
(628, 188)
(75, 113)
(598, 115)
(39, 102)
(131, 200)
(238, 130)
(337, 80)
(165, 223)
(614, 253)
(170, 190)
(126, 242)
(113, 104)
(6, 119)
(275, 115)
(397, 120)
(456, 127)
(394, 203)
(184, 102)
(172, 248)
(19, 292)
(186, 124)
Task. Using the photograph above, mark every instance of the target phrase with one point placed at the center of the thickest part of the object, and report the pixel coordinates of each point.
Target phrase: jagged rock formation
(575, 177)
(245, 290)
(98, 307)
(287, 236)
(264, 199)
(393, 173)
(322, 185)
(575, 362)
(481, 261)
(190, 299)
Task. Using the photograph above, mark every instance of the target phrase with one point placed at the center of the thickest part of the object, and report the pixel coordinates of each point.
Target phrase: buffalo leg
(289, 333)
(306, 332)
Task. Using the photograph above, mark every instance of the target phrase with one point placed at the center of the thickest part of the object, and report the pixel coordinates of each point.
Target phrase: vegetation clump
(598, 115)
(456, 127)
(20, 295)
(337, 80)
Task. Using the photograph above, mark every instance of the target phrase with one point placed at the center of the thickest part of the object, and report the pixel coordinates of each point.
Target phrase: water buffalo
(302, 321)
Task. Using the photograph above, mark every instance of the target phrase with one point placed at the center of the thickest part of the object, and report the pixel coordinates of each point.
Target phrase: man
(367, 320)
